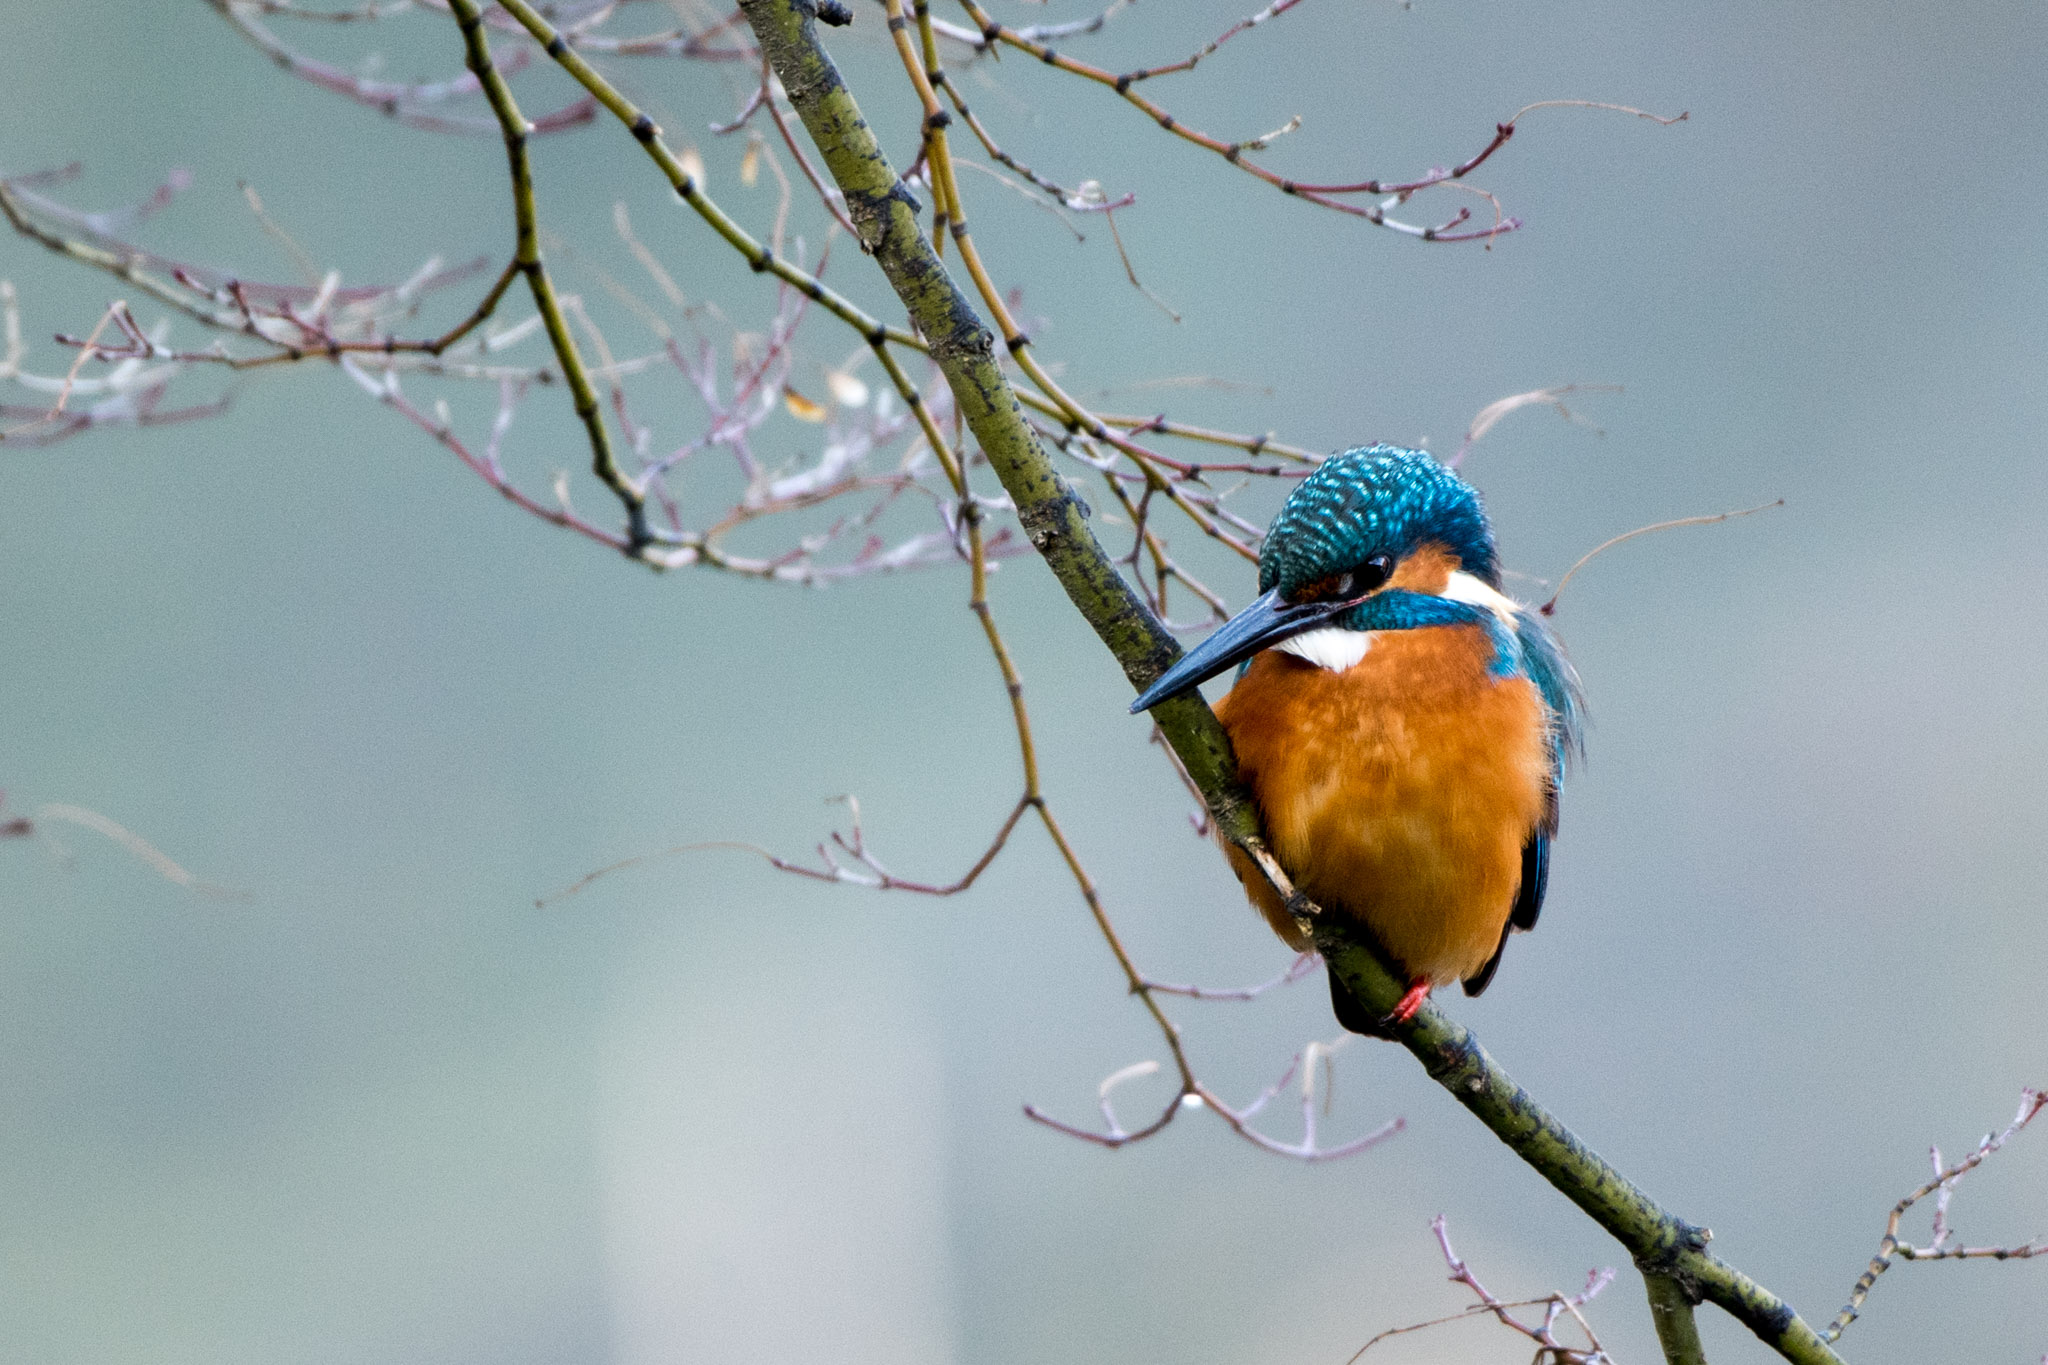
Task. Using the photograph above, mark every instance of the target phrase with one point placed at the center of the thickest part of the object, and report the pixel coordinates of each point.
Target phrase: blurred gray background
(385, 1110)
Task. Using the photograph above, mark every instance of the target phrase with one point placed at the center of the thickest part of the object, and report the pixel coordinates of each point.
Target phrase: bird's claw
(1418, 991)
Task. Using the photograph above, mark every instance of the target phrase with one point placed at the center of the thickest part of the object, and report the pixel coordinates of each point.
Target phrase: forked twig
(1942, 1186)
(1556, 1306)
(868, 871)
(1194, 1094)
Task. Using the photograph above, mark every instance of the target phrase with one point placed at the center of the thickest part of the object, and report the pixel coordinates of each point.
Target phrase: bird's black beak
(1265, 622)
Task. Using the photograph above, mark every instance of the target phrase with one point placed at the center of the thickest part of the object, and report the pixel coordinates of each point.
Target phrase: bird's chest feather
(1400, 789)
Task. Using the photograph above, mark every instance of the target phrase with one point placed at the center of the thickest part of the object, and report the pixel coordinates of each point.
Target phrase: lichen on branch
(885, 212)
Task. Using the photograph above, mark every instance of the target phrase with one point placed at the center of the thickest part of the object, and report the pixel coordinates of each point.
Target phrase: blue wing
(1558, 682)
(1545, 665)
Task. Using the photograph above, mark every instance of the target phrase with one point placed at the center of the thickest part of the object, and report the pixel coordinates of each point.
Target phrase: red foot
(1418, 991)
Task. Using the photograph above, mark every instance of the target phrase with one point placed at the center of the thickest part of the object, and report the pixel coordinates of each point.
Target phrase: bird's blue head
(1329, 556)
(1374, 503)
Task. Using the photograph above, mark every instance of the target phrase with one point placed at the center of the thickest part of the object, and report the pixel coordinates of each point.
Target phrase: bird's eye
(1370, 575)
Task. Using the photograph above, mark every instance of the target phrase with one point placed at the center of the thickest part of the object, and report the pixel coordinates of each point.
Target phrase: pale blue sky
(386, 1111)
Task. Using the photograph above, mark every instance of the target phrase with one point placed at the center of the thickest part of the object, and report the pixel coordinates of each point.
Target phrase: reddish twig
(394, 100)
(1303, 964)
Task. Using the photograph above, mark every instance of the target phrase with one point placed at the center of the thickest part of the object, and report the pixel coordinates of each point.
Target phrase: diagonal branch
(1664, 1246)
(885, 213)
(1054, 518)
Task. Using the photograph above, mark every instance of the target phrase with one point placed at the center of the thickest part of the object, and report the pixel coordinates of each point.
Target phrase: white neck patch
(1331, 647)
(1463, 587)
(1337, 649)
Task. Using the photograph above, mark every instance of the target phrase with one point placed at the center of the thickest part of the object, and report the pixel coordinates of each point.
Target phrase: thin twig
(2032, 1102)
(1549, 608)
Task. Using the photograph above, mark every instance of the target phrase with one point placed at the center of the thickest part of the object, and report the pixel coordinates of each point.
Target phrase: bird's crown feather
(1378, 499)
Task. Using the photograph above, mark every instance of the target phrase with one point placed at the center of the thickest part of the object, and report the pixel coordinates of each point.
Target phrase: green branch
(1671, 1311)
(884, 212)
(526, 258)
(1671, 1252)
(757, 254)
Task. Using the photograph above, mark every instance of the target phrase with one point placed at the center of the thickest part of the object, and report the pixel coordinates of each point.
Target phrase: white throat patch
(1331, 647)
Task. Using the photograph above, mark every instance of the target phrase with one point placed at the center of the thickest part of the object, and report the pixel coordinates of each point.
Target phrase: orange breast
(1399, 791)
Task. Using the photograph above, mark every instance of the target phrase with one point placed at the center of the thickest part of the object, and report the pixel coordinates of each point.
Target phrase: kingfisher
(1401, 723)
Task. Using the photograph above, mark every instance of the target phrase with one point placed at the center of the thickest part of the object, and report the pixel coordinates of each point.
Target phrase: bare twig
(402, 102)
(1487, 417)
(1556, 1306)
(1303, 964)
(27, 826)
(1549, 608)
(1942, 1186)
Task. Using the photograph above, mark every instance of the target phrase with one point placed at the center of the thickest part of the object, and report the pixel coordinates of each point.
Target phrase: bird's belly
(1399, 791)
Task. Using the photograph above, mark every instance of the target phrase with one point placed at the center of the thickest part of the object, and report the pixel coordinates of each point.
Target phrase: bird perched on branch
(1401, 723)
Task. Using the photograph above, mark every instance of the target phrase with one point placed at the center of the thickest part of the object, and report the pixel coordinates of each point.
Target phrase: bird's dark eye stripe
(1323, 589)
(1367, 577)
